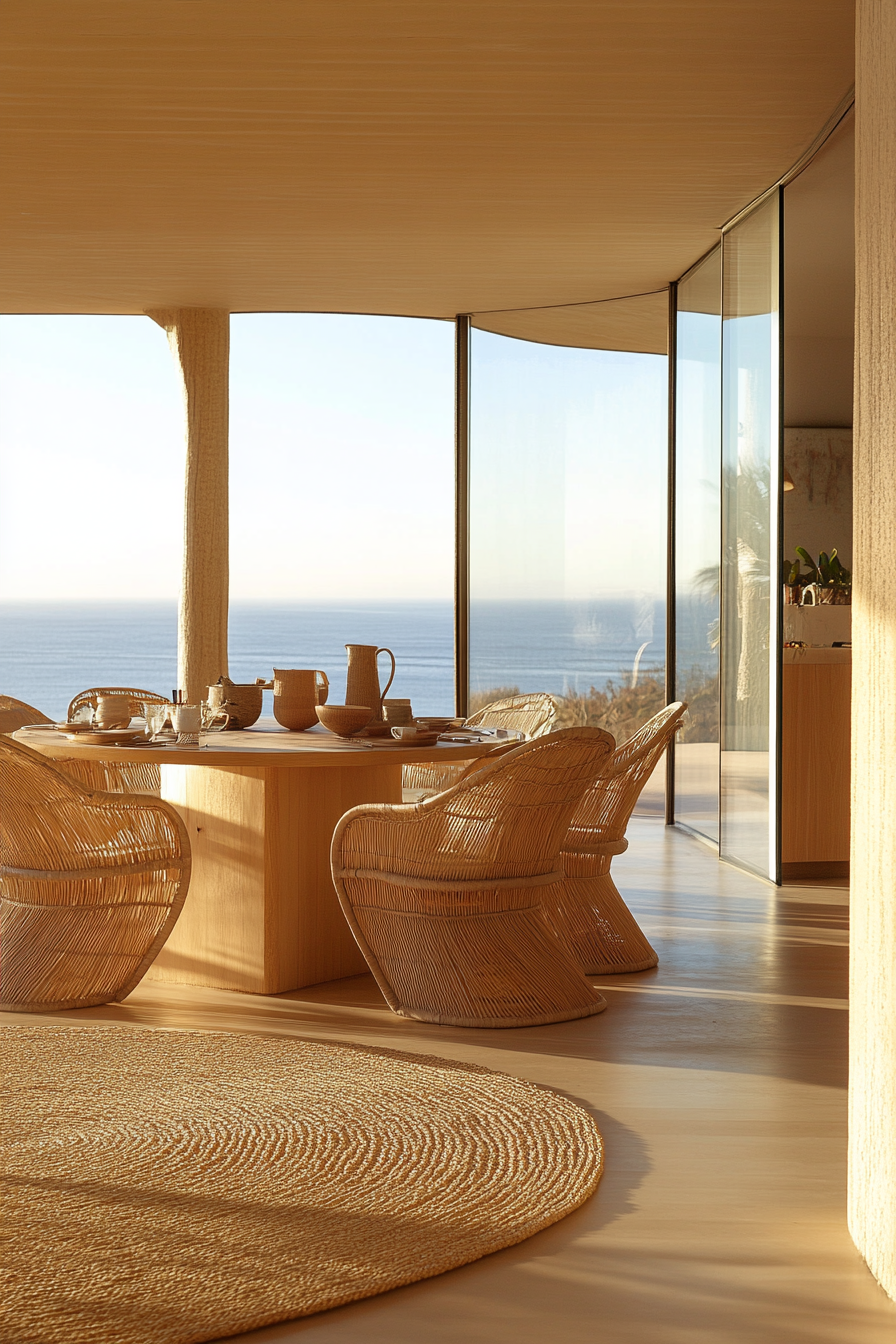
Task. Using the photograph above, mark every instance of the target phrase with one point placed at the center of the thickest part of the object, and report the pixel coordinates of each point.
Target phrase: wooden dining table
(260, 807)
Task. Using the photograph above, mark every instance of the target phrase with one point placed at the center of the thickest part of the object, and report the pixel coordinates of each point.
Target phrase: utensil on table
(344, 720)
(297, 693)
(112, 711)
(362, 684)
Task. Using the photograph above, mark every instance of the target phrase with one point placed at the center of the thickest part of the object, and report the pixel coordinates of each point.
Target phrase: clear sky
(341, 462)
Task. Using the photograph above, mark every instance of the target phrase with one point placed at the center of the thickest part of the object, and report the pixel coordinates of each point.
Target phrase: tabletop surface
(266, 744)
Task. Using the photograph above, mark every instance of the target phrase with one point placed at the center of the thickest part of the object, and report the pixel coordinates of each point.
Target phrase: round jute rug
(167, 1187)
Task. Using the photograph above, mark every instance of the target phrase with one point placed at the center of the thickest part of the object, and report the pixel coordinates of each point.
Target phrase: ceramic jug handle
(391, 675)
(322, 687)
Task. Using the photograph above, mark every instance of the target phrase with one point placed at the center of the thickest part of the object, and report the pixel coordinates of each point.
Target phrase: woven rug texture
(166, 1187)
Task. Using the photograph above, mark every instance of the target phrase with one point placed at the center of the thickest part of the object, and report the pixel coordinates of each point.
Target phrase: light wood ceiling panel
(421, 158)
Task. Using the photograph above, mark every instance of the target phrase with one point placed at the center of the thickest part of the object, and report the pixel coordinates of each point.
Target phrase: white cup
(112, 711)
(187, 721)
(406, 733)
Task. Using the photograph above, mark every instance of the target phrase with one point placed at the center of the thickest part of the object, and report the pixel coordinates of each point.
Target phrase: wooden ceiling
(422, 158)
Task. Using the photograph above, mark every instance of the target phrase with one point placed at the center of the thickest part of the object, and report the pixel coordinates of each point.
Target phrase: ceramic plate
(109, 737)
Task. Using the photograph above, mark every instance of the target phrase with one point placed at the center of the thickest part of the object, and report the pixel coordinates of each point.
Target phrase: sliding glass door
(750, 611)
(698, 426)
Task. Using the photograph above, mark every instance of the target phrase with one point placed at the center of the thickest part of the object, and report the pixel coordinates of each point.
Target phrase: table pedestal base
(261, 914)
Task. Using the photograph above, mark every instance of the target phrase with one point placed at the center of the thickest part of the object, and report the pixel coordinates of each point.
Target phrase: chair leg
(596, 927)
(498, 969)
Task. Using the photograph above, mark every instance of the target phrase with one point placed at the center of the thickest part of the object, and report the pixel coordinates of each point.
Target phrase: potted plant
(794, 583)
(830, 581)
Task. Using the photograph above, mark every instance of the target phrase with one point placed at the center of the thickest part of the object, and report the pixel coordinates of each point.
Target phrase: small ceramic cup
(397, 713)
(112, 711)
(187, 720)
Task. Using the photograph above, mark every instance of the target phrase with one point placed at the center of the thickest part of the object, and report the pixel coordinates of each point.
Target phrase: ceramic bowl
(344, 720)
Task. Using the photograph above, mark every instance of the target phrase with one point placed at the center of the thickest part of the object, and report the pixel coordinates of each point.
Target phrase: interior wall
(819, 286)
(872, 1064)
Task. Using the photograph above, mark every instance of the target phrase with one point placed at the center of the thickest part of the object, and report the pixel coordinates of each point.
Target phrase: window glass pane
(749, 620)
(567, 519)
(342, 497)
(697, 544)
(91, 507)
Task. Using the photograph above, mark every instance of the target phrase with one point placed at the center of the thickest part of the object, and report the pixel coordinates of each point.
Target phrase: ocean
(50, 651)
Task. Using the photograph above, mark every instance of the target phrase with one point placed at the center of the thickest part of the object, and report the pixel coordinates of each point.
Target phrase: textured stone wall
(200, 342)
(872, 1140)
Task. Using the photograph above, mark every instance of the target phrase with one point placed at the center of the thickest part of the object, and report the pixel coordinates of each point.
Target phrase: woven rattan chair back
(586, 911)
(605, 810)
(444, 896)
(86, 700)
(15, 714)
(91, 884)
(532, 715)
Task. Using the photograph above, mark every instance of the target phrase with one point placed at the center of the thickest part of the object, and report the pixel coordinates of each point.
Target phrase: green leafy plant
(793, 574)
(827, 572)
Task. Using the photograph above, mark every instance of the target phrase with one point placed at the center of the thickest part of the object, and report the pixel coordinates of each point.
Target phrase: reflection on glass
(750, 452)
(567, 541)
(697, 543)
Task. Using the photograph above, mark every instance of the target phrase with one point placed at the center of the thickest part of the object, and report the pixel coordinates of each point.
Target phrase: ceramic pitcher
(297, 692)
(362, 685)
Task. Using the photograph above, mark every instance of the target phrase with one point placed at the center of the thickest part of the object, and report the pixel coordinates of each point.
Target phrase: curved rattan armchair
(91, 884)
(586, 911)
(533, 715)
(444, 897)
(16, 714)
(124, 777)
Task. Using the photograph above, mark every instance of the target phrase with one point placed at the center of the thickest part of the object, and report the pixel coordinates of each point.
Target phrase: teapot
(241, 700)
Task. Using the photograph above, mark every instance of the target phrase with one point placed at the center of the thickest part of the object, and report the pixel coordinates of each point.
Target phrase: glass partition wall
(698, 427)
(568, 529)
(727, 541)
(751, 495)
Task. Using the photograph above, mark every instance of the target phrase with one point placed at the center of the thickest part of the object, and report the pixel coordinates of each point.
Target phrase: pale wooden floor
(718, 1082)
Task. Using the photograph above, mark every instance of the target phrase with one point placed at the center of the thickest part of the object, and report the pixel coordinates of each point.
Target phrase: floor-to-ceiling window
(342, 497)
(749, 618)
(91, 506)
(697, 542)
(567, 528)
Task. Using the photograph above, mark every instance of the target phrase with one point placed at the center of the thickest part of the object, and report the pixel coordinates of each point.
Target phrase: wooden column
(872, 1100)
(200, 342)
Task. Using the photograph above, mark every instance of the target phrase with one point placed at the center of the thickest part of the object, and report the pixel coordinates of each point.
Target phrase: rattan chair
(84, 702)
(444, 897)
(586, 911)
(532, 715)
(91, 884)
(15, 714)
(109, 777)
(114, 777)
